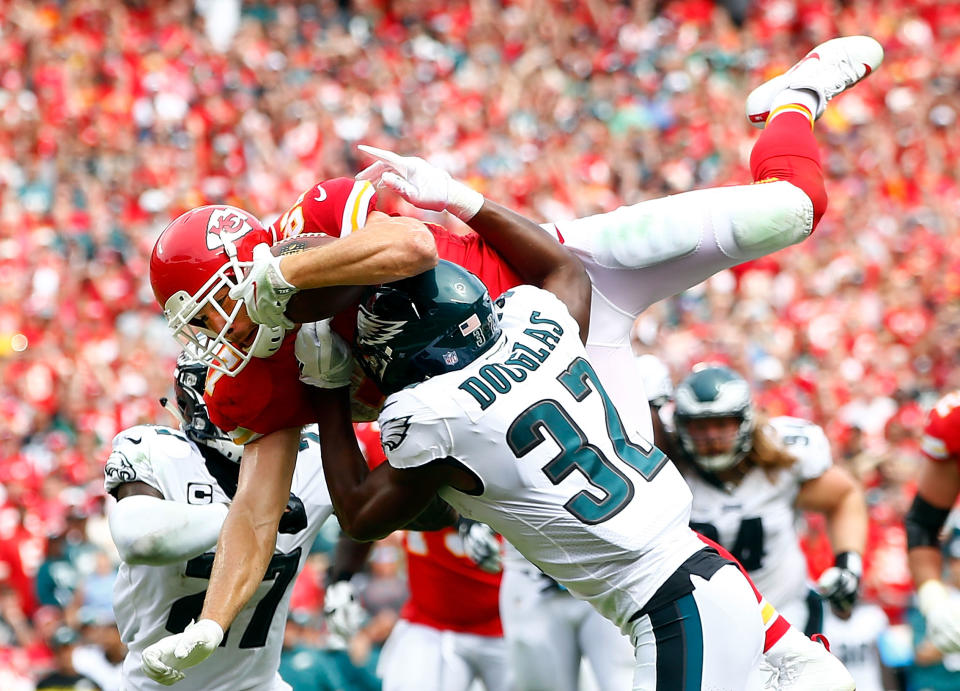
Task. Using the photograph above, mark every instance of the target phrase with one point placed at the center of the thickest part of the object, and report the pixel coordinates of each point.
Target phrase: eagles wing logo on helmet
(394, 431)
(225, 225)
(376, 331)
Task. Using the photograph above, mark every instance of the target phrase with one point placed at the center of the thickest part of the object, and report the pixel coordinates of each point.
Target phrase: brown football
(316, 303)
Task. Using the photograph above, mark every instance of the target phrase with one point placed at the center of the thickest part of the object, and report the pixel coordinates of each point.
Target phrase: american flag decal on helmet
(376, 331)
(469, 325)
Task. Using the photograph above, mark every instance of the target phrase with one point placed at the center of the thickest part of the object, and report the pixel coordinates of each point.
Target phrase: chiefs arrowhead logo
(225, 225)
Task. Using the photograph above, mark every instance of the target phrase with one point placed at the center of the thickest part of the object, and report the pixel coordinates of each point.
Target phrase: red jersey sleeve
(941, 436)
(335, 207)
(472, 253)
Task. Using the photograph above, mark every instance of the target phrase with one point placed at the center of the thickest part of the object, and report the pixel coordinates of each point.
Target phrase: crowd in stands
(117, 116)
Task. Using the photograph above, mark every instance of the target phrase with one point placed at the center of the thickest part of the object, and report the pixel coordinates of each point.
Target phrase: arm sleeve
(129, 459)
(411, 433)
(153, 531)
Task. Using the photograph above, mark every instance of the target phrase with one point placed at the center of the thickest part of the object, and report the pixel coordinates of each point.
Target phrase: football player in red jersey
(670, 243)
(938, 487)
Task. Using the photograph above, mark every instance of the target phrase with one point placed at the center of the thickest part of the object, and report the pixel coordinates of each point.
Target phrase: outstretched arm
(536, 257)
(369, 504)
(148, 529)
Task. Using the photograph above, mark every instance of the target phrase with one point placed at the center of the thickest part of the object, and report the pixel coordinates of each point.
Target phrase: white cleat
(805, 665)
(827, 70)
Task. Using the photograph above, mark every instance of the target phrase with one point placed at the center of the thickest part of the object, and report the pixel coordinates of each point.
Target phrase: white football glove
(264, 290)
(165, 660)
(840, 584)
(942, 612)
(481, 544)
(325, 358)
(342, 610)
(423, 185)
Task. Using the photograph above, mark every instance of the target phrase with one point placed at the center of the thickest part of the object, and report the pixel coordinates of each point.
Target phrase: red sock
(788, 151)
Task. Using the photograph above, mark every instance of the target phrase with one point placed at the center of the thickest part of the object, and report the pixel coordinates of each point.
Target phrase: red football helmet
(197, 259)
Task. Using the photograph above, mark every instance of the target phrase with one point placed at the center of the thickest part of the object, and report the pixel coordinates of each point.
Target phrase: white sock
(804, 97)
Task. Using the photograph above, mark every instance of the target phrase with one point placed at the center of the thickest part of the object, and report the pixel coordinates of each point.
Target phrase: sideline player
(174, 487)
(751, 477)
(719, 228)
(938, 486)
(501, 413)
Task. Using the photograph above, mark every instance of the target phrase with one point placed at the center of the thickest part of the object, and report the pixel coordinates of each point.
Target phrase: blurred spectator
(57, 577)
(115, 116)
(307, 666)
(64, 676)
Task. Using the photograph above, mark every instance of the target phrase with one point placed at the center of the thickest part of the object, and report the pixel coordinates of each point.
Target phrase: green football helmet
(416, 328)
(714, 391)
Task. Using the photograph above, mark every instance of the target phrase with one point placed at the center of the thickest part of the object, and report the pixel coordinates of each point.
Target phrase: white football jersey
(756, 519)
(572, 486)
(854, 641)
(151, 602)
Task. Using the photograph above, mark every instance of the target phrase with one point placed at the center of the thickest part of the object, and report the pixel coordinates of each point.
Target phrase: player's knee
(780, 214)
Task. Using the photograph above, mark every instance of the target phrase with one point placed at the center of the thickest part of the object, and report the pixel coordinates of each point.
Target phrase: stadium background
(117, 116)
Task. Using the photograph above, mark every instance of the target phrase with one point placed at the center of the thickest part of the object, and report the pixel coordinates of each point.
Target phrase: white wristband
(462, 201)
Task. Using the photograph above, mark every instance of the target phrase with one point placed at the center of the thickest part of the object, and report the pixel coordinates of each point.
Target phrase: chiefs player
(938, 486)
(635, 256)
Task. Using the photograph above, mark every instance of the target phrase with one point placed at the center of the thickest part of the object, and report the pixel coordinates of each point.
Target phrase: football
(316, 303)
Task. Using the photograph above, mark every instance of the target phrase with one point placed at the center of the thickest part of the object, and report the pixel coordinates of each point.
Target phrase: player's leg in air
(639, 254)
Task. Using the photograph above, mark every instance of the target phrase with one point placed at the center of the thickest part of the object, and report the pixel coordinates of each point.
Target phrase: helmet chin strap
(267, 342)
(173, 410)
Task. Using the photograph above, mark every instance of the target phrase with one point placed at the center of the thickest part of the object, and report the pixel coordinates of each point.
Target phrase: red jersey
(447, 590)
(267, 395)
(941, 436)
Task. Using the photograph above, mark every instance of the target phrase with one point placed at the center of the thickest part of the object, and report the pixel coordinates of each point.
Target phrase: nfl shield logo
(451, 358)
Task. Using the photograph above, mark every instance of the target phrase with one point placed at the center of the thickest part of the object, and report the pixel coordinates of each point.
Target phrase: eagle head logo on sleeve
(394, 431)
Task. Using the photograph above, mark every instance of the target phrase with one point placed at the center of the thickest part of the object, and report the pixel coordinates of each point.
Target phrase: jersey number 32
(578, 454)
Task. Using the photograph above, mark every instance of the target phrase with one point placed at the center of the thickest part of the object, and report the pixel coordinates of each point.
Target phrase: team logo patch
(394, 431)
(376, 331)
(450, 358)
(120, 467)
(225, 225)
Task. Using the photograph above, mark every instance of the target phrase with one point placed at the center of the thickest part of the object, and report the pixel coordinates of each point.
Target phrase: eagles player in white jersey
(173, 488)
(751, 479)
(502, 415)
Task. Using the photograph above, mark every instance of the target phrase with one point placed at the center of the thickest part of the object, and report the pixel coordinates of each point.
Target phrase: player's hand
(325, 358)
(264, 290)
(481, 544)
(423, 185)
(342, 610)
(840, 584)
(294, 518)
(165, 660)
(942, 612)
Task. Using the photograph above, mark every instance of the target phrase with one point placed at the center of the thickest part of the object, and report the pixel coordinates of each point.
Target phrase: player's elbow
(360, 529)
